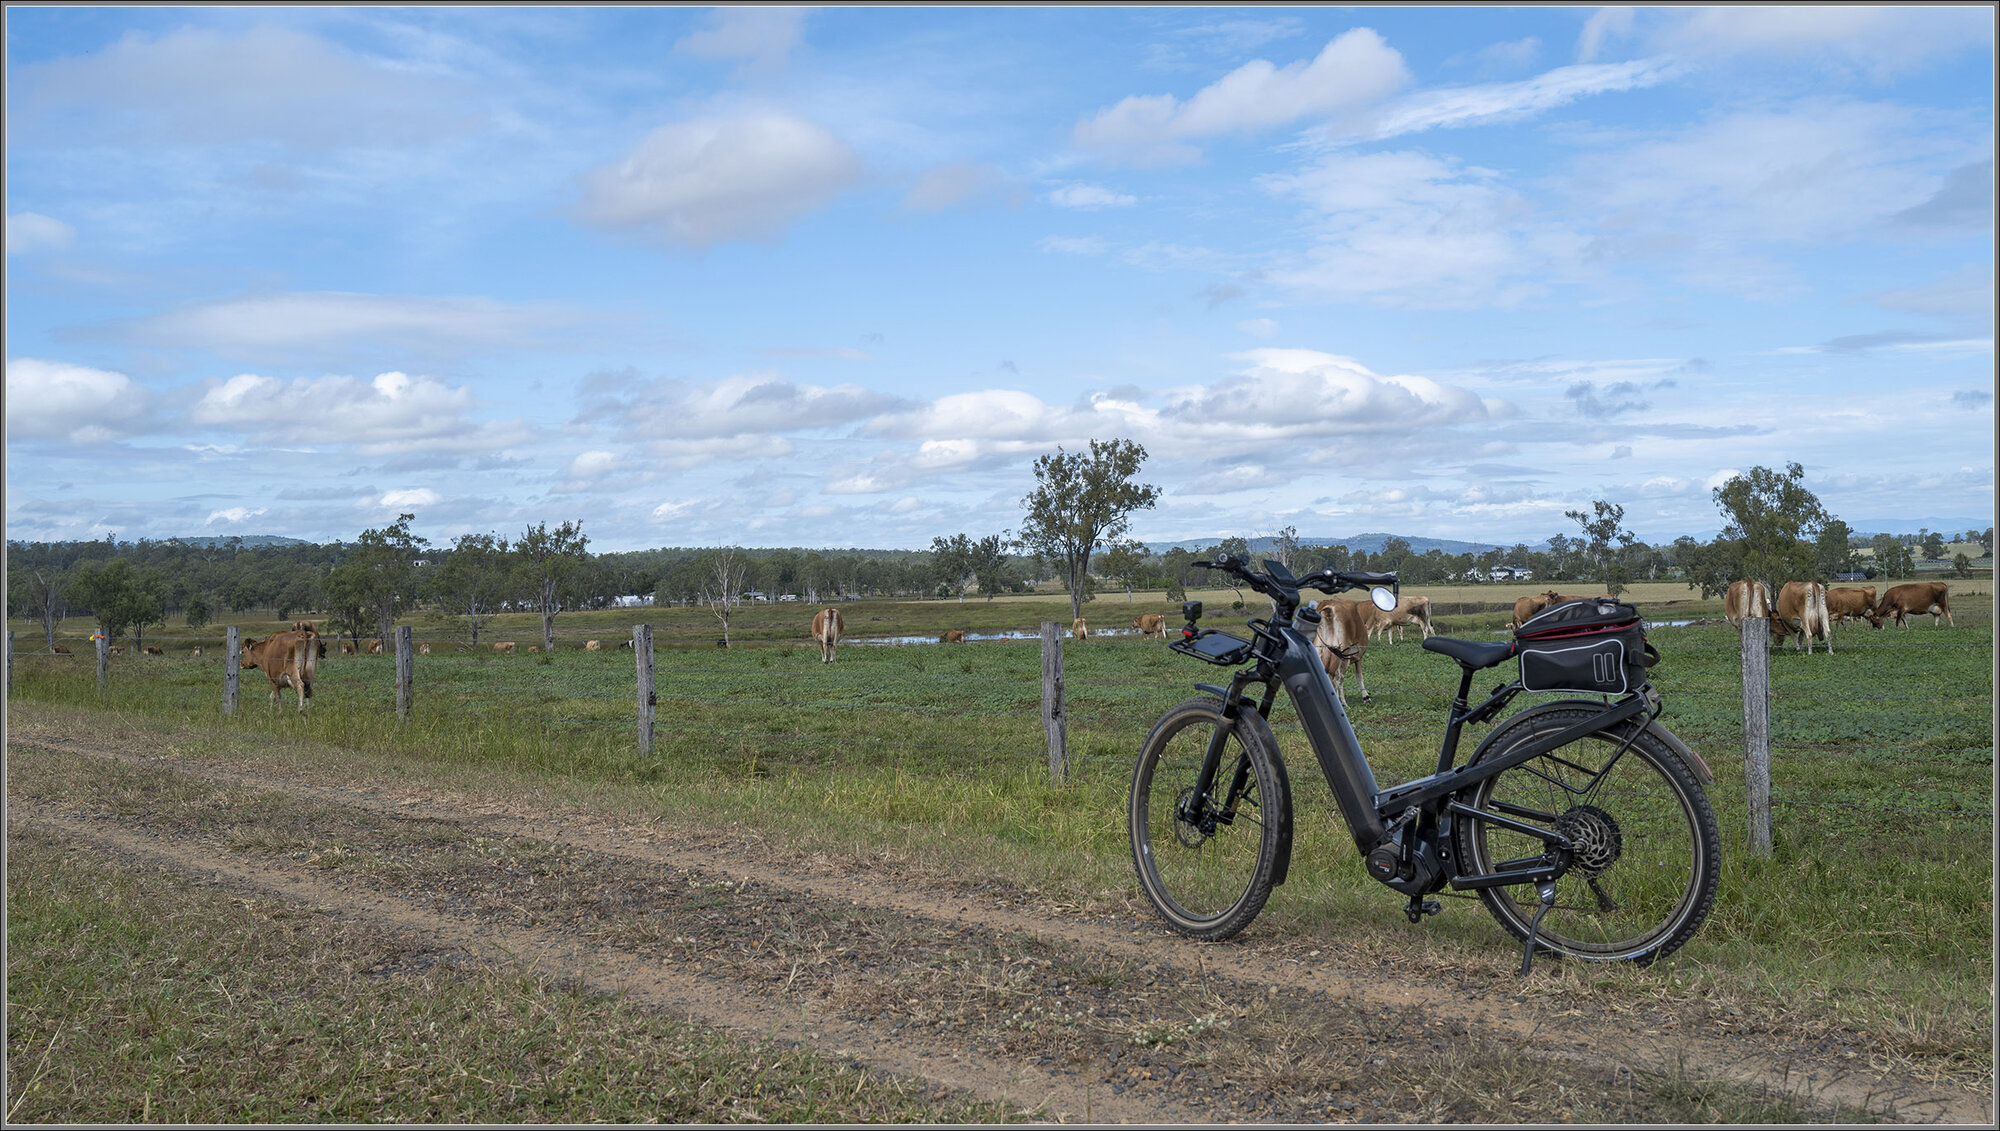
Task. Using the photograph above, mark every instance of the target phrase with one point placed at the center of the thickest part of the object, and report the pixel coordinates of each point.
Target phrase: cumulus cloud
(31, 232)
(699, 183)
(233, 515)
(744, 404)
(337, 322)
(392, 414)
(203, 86)
(1353, 70)
(53, 399)
(1090, 196)
(410, 497)
(1297, 393)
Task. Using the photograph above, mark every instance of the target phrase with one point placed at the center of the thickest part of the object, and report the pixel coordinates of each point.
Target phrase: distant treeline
(198, 581)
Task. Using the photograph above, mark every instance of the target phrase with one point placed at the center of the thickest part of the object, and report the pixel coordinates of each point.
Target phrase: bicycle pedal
(1416, 909)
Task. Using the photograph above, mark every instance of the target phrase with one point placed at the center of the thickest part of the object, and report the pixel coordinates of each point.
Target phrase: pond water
(976, 637)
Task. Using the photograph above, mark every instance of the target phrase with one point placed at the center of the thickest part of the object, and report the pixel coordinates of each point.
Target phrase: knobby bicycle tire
(1210, 878)
(1647, 858)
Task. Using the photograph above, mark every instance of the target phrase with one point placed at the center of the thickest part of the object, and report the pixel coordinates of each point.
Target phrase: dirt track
(1069, 1017)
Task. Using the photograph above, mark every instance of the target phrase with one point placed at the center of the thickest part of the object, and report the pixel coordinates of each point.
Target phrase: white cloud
(709, 181)
(205, 86)
(336, 321)
(1352, 71)
(1299, 394)
(47, 399)
(392, 414)
(1605, 23)
(1408, 228)
(410, 497)
(744, 404)
(762, 35)
(1883, 41)
(233, 515)
(1090, 196)
(1513, 101)
(30, 232)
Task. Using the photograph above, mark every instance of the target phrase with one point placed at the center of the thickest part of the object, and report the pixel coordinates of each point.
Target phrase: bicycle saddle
(1473, 654)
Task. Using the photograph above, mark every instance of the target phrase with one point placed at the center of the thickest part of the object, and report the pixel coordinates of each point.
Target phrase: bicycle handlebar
(1279, 585)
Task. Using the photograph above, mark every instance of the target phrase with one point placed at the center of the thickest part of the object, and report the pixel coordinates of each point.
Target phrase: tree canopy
(1081, 502)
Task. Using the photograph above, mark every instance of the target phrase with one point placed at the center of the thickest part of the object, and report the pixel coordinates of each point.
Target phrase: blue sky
(836, 276)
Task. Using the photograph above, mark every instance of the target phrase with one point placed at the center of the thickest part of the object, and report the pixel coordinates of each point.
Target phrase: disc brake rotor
(1189, 834)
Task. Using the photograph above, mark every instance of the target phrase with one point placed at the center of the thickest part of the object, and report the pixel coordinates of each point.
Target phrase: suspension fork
(1195, 809)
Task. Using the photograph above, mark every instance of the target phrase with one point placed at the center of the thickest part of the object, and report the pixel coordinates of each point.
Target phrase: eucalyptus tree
(1081, 502)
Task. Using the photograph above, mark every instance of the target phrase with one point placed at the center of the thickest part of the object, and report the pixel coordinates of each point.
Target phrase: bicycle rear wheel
(1647, 856)
(1208, 864)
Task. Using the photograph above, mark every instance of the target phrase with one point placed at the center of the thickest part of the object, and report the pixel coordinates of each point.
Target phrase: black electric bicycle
(1581, 824)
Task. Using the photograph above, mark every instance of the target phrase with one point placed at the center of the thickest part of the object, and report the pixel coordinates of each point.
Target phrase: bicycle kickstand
(1547, 890)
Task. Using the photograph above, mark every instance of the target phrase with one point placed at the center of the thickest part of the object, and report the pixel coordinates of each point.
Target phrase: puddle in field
(977, 637)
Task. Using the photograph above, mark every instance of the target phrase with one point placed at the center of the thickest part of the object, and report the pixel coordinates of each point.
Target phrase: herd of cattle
(1806, 609)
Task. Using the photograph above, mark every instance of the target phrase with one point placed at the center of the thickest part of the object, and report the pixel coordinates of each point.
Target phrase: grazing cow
(1341, 640)
(952, 636)
(1079, 629)
(1525, 607)
(1746, 599)
(1408, 610)
(534, 647)
(60, 649)
(826, 627)
(347, 647)
(423, 649)
(288, 659)
(374, 647)
(1802, 610)
(1852, 601)
(118, 649)
(506, 646)
(625, 645)
(1151, 624)
(155, 650)
(593, 645)
(1915, 599)
(195, 651)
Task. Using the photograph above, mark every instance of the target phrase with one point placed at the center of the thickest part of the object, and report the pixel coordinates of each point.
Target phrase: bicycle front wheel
(1208, 863)
(1646, 859)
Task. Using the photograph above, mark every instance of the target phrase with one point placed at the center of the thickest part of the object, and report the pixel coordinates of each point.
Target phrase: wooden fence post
(405, 665)
(103, 663)
(642, 653)
(231, 659)
(1055, 721)
(1757, 730)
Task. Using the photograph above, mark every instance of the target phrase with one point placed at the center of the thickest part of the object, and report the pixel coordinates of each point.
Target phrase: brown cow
(506, 646)
(347, 647)
(1409, 610)
(1079, 629)
(1525, 607)
(593, 645)
(374, 647)
(1746, 599)
(60, 649)
(952, 636)
(826, 628)
(1915, 599)
(1151, 624)
(1341, 640)
(423, 649)
(1802, 610)
(155, 650)
(288, 659)
(195, 651)
(1852, 601)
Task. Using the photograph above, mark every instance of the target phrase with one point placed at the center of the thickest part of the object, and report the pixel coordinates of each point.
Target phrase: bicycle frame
(1284, 657)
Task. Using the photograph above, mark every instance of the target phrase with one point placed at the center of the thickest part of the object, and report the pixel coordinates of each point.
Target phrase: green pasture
(1874, 911)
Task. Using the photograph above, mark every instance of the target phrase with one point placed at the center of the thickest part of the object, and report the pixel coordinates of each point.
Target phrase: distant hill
(250, 541)
(1358, 543)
